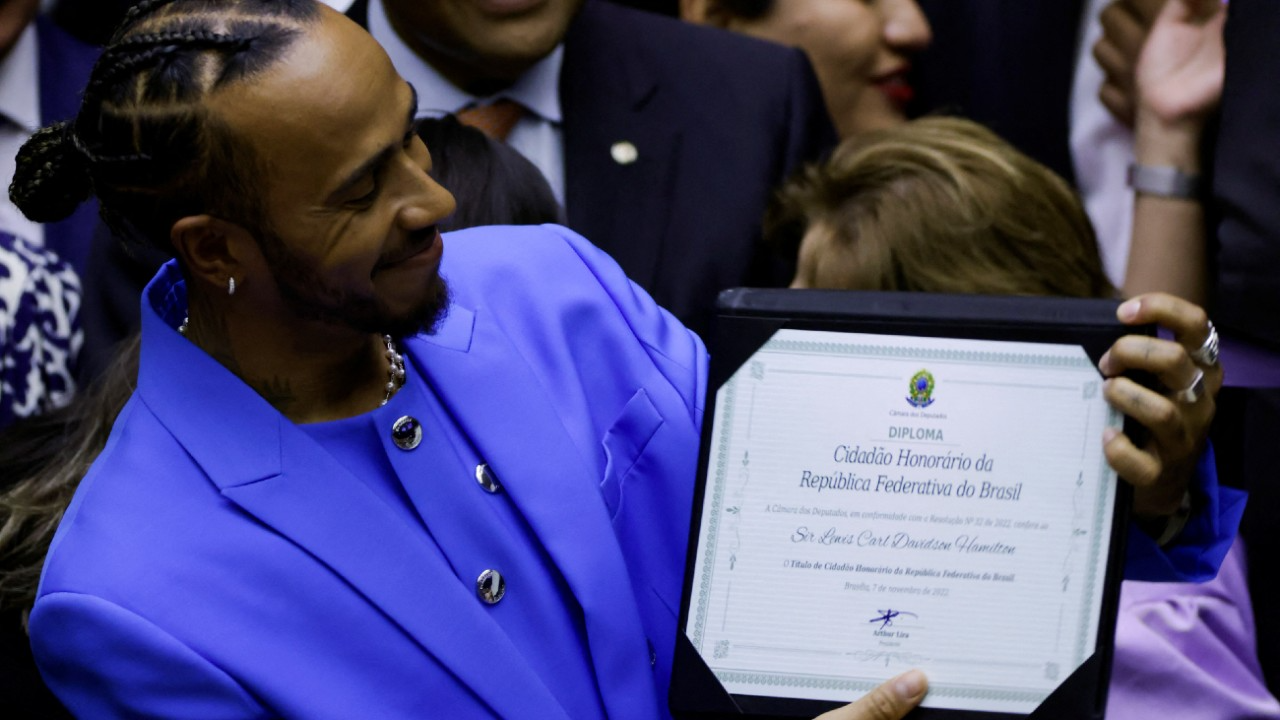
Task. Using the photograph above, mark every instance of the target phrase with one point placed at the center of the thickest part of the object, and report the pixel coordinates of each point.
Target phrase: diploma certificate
(875, 503)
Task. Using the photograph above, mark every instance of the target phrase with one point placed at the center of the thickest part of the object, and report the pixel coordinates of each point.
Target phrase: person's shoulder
(490, 248)
(483, 264)
(136, 490)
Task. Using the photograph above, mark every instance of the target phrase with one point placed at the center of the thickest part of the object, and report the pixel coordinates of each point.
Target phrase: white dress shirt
(1101, 150)
(19, 119)
(537, 135)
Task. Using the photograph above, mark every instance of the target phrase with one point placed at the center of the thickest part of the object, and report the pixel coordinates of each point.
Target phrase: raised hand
(1125, 25)
(1179, 73)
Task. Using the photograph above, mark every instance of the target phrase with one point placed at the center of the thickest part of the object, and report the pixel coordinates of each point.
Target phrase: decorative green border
(1091, 578)
(724, 408)
(928, 354)
(811, 682)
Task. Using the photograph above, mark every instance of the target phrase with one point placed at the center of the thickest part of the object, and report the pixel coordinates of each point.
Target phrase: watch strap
(1163, 181)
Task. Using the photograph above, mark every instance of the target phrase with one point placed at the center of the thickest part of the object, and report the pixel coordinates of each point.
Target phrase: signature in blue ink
(887, 616)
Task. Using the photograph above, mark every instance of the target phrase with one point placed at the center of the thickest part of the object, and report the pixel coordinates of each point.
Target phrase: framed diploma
(901, 480)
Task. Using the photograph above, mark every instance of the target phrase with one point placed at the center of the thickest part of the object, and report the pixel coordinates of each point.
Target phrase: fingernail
(909, 685)
(1104, 364)
(1109, 434)
(1128, 310)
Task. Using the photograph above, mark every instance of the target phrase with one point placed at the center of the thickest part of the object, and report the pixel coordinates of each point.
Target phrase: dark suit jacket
(1246, 178)
(1245, 300)
(1007, 64)
(718, 121)
(64, 66)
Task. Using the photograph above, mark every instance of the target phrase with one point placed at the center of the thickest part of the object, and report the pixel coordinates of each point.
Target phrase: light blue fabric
(217, 563)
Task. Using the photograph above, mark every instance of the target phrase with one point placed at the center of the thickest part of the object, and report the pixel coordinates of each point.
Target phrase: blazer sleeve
(676, 351)
(101, 659)
(1199, 549)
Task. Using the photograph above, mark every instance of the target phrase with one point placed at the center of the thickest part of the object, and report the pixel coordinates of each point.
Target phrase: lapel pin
(624, 153)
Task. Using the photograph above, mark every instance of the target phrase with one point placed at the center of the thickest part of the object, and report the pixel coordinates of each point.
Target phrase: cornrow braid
(135, 53)
(144, 140)
(131, 16)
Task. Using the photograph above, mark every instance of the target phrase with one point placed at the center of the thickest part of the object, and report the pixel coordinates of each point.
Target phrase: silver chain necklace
(395, 363)
(395, 369)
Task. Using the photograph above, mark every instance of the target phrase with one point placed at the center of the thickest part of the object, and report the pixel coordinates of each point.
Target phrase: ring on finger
(1207, 354)
(1192, 392)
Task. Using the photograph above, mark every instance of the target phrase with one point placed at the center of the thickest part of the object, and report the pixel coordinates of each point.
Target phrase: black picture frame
(747, 318)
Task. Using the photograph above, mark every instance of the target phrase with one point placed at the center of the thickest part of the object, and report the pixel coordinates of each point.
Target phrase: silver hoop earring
(231, 286)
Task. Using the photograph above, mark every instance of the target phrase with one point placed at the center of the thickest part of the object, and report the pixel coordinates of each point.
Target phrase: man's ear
(705, 12)
(213, 249)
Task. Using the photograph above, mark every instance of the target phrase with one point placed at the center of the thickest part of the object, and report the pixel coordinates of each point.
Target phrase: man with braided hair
(308, 508)
(662, 140)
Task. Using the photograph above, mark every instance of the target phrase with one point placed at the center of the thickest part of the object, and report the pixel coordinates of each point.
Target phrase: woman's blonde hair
(938, 205)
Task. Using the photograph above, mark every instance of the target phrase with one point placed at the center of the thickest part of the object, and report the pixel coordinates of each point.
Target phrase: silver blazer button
(487, 479)
(407, 433)
(490, 586)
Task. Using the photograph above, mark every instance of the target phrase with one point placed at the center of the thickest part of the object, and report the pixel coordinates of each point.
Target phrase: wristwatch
(1163, 181)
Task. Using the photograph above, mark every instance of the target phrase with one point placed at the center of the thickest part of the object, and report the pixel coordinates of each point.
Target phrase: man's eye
(368, 197)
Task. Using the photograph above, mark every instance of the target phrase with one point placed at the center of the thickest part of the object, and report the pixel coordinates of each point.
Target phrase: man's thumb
(890, 701)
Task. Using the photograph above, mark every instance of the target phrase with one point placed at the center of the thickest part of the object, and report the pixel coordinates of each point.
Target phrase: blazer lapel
(501, 405)
(279, 475)
(620, 151)
(337, 519)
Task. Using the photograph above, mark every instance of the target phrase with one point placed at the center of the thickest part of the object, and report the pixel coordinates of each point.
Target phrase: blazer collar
(278, 474)
(275, 472)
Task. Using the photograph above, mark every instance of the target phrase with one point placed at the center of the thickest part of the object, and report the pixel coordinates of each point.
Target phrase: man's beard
(312, 298)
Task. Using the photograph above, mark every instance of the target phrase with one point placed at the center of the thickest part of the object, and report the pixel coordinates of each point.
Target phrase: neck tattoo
(395, 363)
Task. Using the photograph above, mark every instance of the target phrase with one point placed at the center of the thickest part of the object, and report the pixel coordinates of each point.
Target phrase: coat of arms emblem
(921, 389)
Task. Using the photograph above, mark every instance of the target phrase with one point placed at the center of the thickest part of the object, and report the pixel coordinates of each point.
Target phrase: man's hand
(891, 701)
(1177, 415)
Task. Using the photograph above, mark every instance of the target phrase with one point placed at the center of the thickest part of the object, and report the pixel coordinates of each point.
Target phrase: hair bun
(52, 175)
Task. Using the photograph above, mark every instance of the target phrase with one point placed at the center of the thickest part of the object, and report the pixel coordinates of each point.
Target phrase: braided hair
(144, 140)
